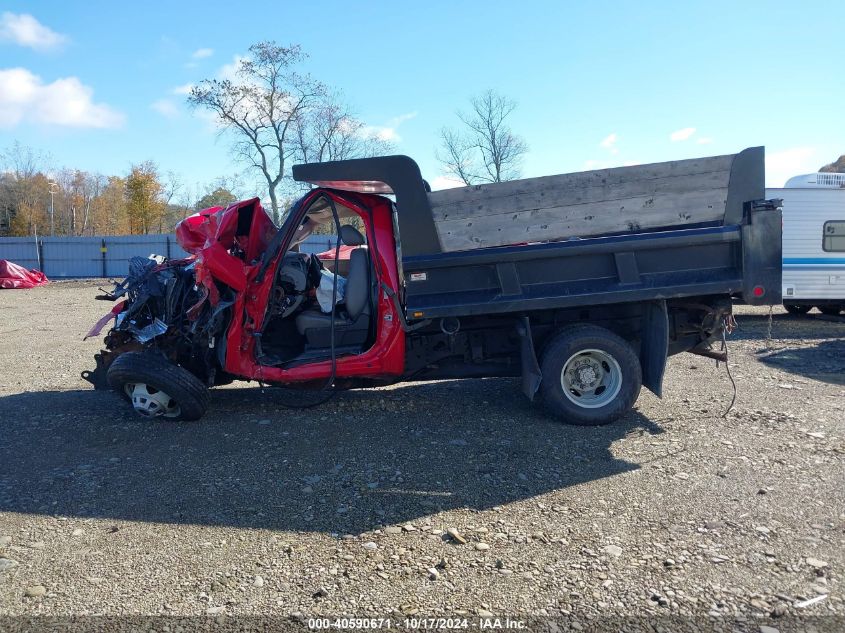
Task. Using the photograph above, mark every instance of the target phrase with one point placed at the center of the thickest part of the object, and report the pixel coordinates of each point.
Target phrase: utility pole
(54, 187)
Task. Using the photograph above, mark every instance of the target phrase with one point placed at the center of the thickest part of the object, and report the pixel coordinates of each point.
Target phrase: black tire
(567, 344)
(155, 371)
(797, 309)
(830, 310)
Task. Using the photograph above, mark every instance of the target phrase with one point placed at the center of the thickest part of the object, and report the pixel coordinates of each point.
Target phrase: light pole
(54, 187)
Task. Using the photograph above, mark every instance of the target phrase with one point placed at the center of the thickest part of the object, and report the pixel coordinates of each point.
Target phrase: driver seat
(352, 317)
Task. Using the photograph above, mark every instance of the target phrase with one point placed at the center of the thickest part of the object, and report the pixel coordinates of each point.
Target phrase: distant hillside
(836, 167)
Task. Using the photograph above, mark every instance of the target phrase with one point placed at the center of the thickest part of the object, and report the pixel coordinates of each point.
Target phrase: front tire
(142, 377)
(797, 309)
(590, 376)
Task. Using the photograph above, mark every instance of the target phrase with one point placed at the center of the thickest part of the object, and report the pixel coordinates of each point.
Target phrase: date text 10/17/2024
(415, 623)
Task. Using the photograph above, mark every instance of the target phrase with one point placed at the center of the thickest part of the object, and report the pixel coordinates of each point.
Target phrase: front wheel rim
(150, 402)
(591, 378)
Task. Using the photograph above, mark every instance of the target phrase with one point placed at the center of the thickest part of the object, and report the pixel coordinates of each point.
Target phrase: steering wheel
(294, 278)
(291, 304)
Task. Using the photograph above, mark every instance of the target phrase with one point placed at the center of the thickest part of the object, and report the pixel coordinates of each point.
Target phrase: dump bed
(676, 229)
(586, 204)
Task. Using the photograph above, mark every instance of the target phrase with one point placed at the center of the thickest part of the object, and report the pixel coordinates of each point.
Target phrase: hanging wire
(769, 329)
(329, 387)
(728, 326)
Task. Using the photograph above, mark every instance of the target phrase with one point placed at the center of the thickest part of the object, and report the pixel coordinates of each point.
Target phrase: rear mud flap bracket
(654, 345)
(531, 375)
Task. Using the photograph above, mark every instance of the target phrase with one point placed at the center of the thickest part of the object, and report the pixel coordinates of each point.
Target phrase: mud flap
(531, 375)
(654, 345)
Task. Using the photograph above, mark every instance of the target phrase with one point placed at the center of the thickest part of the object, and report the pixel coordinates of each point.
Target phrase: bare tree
(332, 132)
(457, 156)
(233, 183)
(171, 185)
(95, 183)
(278, 115)
(77, 190)
(185, 200)
(20, 188)
(485, 150)
(23, 162)
(263, 108)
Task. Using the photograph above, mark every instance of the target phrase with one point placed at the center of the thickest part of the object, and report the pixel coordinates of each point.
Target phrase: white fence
(105, 256)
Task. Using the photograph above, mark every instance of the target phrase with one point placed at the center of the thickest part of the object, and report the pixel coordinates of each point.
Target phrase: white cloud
(166, 108)
(211, 122)
(446, 182)
(782, 165)
(389, 131)
(380, 132)
(609, 141)
(398, 120)
(704, 140)
(202, 53)
(184, 89)
(230, 71)
(25, 97)
(681, 135)
(25, 30)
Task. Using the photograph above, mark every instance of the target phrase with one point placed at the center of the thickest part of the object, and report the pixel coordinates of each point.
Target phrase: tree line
(275, 115)
(38, 200)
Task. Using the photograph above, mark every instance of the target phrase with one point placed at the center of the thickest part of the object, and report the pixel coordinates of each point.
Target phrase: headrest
(350, 236)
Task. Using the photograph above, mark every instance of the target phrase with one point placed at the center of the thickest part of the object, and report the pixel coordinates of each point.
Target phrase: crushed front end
(161, 309)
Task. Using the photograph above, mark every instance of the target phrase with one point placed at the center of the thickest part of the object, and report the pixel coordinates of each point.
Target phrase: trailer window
(833, 236)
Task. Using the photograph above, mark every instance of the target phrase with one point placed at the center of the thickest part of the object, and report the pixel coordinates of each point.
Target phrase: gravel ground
(424, 499)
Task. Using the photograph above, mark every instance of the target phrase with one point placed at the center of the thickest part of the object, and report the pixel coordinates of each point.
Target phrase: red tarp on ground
(14, 276)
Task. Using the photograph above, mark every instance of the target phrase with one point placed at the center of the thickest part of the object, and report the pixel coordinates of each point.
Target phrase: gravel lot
(346, 508)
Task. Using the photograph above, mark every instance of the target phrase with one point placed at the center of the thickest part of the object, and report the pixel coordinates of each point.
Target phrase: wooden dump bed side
(626, 200)
(583, 204)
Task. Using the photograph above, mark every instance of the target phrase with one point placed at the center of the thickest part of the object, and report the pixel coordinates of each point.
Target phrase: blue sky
(598, 84)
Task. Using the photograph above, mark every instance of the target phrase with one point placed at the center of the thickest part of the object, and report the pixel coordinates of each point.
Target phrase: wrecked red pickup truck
(582, 284)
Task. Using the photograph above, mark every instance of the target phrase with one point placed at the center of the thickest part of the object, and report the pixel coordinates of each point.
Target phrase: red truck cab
(278, 345)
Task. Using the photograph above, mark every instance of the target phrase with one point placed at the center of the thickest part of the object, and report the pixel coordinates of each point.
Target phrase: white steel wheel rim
(591, 378)
(151, 402)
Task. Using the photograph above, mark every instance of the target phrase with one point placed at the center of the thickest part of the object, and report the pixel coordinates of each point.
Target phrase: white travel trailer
(813, 242)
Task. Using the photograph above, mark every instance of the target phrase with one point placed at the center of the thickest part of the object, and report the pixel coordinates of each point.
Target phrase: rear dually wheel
(590, 376)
